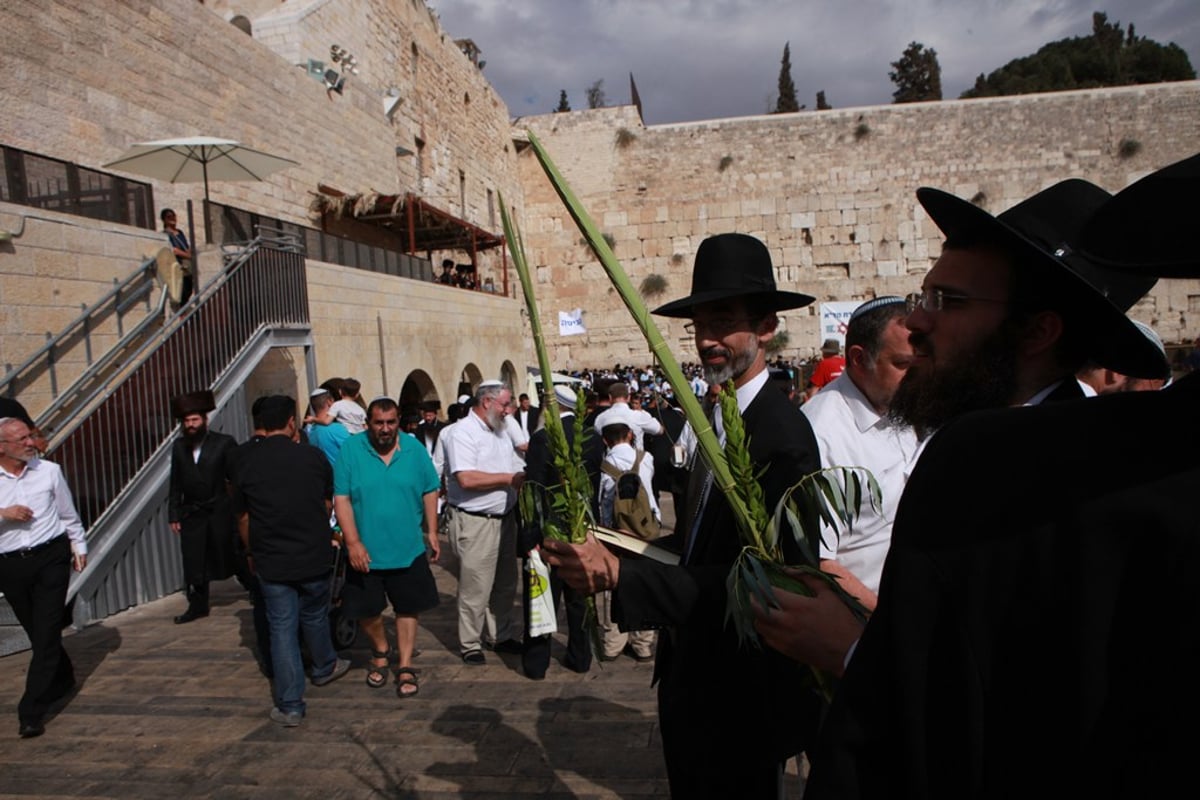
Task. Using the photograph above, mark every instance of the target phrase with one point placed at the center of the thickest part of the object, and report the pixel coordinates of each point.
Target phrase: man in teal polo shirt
(385, 496)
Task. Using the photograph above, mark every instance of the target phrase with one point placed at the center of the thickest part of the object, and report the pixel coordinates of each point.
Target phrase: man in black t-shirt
(283, 492)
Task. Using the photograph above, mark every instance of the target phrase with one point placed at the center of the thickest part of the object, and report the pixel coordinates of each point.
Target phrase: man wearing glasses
(484, 475)
(41, 539)
(1006, 316)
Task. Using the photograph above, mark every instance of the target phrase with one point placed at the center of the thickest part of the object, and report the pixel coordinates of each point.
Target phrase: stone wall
(89, 79)
(831, 193)
(441, 331)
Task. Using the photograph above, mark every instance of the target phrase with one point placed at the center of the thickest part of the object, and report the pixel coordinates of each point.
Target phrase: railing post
(87, 332)
(50, 366)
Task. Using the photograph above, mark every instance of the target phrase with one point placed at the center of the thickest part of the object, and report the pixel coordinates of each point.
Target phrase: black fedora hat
(732, 265)
(1040, 234)
(1150, 226)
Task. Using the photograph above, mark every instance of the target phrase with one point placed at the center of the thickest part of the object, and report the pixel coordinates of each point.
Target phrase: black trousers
(535, 655)
(36, 588)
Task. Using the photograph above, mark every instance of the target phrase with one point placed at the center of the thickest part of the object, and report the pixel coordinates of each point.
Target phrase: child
(349, 409)
(618, 439)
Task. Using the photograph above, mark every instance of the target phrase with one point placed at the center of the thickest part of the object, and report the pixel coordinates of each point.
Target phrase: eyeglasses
(29, 437)
(940, 300)
(721, 326)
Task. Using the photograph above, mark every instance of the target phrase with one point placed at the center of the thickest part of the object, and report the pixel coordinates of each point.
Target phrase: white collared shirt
(622, 456)
(43, 489)
(474, 447)
(851, 433)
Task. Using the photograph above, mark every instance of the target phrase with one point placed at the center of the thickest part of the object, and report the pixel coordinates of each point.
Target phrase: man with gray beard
(709, 685)
(484, 475)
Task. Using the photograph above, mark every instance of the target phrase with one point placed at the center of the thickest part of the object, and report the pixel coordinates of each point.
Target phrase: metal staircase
(116, 453)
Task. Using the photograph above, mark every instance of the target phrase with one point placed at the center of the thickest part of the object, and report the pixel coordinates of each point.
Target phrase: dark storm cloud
(709, 60)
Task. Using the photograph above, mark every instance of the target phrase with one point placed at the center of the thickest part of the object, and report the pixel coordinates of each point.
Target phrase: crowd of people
(993, 607)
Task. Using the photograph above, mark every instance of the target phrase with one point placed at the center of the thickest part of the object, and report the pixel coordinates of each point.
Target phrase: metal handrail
(102, 451)
(44, 355)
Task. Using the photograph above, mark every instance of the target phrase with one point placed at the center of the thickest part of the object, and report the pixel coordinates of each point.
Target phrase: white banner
(571, 322)
(834, 318)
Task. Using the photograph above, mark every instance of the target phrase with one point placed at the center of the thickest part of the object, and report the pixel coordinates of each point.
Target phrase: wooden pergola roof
(423, 226)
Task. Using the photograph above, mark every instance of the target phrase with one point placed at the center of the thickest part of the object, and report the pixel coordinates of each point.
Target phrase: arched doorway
(508, 374)
(418, 389)
(470, 378)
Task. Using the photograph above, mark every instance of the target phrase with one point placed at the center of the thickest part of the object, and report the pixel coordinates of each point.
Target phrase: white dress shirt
(644, 421)
(474, 447)
(42, 488)
(622, 456)
(851, 433)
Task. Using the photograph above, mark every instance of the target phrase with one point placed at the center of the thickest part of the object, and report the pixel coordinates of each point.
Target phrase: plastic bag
(542, 619)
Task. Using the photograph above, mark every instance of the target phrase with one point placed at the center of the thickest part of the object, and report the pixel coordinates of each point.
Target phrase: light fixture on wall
(391, 101)
(335, 79)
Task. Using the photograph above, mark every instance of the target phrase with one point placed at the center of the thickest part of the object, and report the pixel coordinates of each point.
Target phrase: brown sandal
(377, 675)
(406, 676)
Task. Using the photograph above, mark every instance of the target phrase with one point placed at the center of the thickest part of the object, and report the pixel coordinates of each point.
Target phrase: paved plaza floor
(167, 711)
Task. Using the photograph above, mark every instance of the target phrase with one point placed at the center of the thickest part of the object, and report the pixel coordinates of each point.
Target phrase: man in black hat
(198, 507)
(1008, 651)
(731, 715)
(430, 427)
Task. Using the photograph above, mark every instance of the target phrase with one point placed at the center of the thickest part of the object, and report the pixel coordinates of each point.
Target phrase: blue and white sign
(834, 319)
(570, 323)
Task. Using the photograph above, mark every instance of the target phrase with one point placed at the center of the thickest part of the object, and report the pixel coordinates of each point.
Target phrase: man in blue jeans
(283, 492)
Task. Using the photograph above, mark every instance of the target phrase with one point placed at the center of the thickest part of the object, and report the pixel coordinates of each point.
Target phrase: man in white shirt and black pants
(41, 538)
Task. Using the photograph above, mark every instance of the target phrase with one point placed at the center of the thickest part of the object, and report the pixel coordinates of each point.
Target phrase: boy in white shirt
(618, 438)
(348, 410)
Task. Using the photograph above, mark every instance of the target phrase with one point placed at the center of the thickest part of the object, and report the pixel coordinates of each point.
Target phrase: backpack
(631, 506)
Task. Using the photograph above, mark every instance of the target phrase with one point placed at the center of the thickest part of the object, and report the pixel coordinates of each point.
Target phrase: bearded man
(198, 501)
(483, 477)
(731, 714)
(931, 707)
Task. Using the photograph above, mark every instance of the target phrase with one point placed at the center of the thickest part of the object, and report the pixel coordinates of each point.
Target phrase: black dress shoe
(190, 615)
(30, 730)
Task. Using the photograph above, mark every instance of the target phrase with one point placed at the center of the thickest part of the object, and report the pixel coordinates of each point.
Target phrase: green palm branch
(828, 495)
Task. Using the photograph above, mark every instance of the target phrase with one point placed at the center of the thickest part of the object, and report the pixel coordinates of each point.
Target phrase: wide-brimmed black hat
(732, 265)
(200, 402)
(1041, 234)
(1150, 226)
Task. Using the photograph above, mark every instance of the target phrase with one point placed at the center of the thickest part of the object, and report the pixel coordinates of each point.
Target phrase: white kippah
(565, 394)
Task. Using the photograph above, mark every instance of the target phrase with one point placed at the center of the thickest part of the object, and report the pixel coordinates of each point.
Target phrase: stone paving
(169, 710)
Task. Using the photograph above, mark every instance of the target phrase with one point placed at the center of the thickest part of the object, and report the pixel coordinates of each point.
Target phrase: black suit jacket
(428, 433)
(199, 500)
(733, 705)
(533, 415)
(1035, 633)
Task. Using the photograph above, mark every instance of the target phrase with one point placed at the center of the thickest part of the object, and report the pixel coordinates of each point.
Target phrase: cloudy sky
(709, 59)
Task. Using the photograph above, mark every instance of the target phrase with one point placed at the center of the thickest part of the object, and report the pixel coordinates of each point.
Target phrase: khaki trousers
(487, 577)
(614, 640)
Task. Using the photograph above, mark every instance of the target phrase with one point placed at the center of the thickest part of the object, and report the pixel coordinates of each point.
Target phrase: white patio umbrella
(199, 158)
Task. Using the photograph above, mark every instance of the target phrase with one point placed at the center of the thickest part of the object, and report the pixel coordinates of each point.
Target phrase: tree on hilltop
(787, 101)
(595, 95)
(563, 103)
(1108, 57)
(917, 75)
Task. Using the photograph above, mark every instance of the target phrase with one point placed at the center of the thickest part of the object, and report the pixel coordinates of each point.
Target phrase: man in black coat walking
(198, 503)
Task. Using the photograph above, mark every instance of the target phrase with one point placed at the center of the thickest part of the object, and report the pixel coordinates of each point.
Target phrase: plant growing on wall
(653, 285)
(625, 137)
(726, 161)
